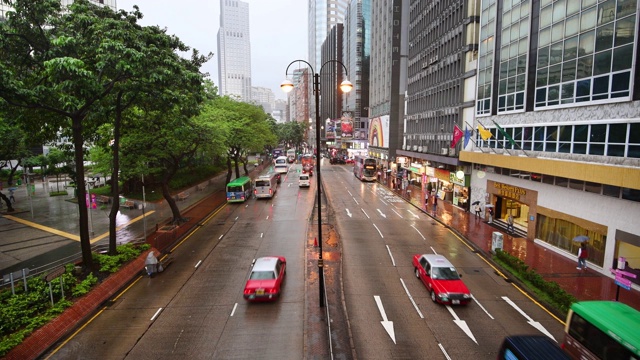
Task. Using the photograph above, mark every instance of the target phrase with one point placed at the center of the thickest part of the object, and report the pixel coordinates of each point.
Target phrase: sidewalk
(552, 266)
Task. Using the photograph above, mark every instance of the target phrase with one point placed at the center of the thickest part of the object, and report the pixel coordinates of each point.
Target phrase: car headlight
(466, 296)
(444, 296)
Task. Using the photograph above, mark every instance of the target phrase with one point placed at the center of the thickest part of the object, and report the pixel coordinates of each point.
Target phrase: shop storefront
(519, 202)
(452, 189)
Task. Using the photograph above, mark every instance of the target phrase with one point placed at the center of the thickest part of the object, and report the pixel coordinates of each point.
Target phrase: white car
(303, 180)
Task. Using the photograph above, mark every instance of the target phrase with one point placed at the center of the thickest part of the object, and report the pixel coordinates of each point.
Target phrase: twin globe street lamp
(345, 86)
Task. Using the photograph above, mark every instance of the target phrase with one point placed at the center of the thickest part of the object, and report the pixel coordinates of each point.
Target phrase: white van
(303, 180)
(266, 185)
(280, 165)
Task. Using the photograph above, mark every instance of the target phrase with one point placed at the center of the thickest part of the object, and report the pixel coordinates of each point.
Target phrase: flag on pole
(504, 133)
(484, 133)
(457, 135)
(467, 137)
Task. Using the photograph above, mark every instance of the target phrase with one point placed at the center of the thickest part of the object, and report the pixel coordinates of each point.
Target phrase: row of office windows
(619, 139)
(585, 52)
(586, 186)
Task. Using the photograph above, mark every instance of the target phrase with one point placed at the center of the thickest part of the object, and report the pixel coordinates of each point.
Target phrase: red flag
(457, 135)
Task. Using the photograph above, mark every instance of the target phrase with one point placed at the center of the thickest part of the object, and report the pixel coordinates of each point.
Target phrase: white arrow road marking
(418, 231)
(381, 213)
(397, 213)
(393, 262)
(386, 324)
(411, 298)
(348, 212)
(365, 213)
(461, 324)
(482, 307)
(414, 215)
(535, 324)
(379, 232)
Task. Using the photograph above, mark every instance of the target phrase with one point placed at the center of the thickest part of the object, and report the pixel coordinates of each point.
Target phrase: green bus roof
(239, 181)
(618, 320)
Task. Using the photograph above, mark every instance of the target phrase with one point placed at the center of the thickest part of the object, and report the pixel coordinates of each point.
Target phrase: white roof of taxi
(267, 263)
(438, 260)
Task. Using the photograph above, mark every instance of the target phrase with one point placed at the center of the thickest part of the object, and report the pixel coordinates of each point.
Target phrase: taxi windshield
(445, 273)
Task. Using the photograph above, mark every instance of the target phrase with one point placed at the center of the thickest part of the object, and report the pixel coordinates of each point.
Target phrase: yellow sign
(510, 191)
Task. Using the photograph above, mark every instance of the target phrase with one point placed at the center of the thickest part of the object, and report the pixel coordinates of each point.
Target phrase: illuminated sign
(510, 191)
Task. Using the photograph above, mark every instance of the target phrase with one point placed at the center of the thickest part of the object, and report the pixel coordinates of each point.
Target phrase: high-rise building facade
(356, 55)
(557, 144)
(331, 77)
(387, 78)
(234, 50)
(443, 40)
(322, 16)
(264, 97)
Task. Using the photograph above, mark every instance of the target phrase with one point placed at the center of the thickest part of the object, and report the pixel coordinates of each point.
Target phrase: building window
(585, 52)
(485, 57)
(560, 233)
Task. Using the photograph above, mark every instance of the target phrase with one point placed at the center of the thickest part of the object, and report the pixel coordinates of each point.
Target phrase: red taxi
(441, 279)
(265, 280)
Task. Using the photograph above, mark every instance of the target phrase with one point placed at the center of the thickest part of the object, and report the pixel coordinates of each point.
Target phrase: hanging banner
(330, 129)
(346, 125)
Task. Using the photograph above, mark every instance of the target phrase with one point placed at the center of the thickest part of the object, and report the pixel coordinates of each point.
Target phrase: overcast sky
(278, 32)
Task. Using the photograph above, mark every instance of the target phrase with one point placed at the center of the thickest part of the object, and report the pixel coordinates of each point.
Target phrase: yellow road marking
(72, 236)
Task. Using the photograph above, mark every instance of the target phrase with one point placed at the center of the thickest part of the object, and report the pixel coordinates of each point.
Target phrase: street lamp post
(345, 86)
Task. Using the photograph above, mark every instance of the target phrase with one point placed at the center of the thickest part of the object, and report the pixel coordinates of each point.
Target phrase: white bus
(280, 165)
(266, 186)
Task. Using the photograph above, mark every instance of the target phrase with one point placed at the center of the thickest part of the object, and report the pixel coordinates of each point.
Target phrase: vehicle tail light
(270, 192)
(255, 191)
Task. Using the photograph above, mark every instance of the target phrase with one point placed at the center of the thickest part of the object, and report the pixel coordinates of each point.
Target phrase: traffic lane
(116, 330)
(488, 319)
(368, 272)
(373, 291)
(146, 300)
(211, 313)
(442, 242)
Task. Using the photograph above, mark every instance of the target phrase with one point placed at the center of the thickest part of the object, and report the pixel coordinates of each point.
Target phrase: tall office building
(323, 15)
(356, 55)
(558, 120)
(387, 79)
(443, 41)
(234, 50)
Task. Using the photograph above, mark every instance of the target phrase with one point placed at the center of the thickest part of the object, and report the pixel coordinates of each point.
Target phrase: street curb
(41, 340)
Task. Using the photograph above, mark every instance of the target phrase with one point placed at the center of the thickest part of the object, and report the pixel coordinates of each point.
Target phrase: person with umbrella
(583, 254)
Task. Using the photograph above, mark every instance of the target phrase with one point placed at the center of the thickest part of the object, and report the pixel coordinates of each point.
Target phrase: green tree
(59, 64)
(247, 131)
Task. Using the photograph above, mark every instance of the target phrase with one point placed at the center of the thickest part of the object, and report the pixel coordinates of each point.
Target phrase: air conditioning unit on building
(444, 151)
(420, 148)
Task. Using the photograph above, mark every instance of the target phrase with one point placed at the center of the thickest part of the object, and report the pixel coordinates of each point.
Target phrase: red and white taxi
(265, 280)
(441, 279)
